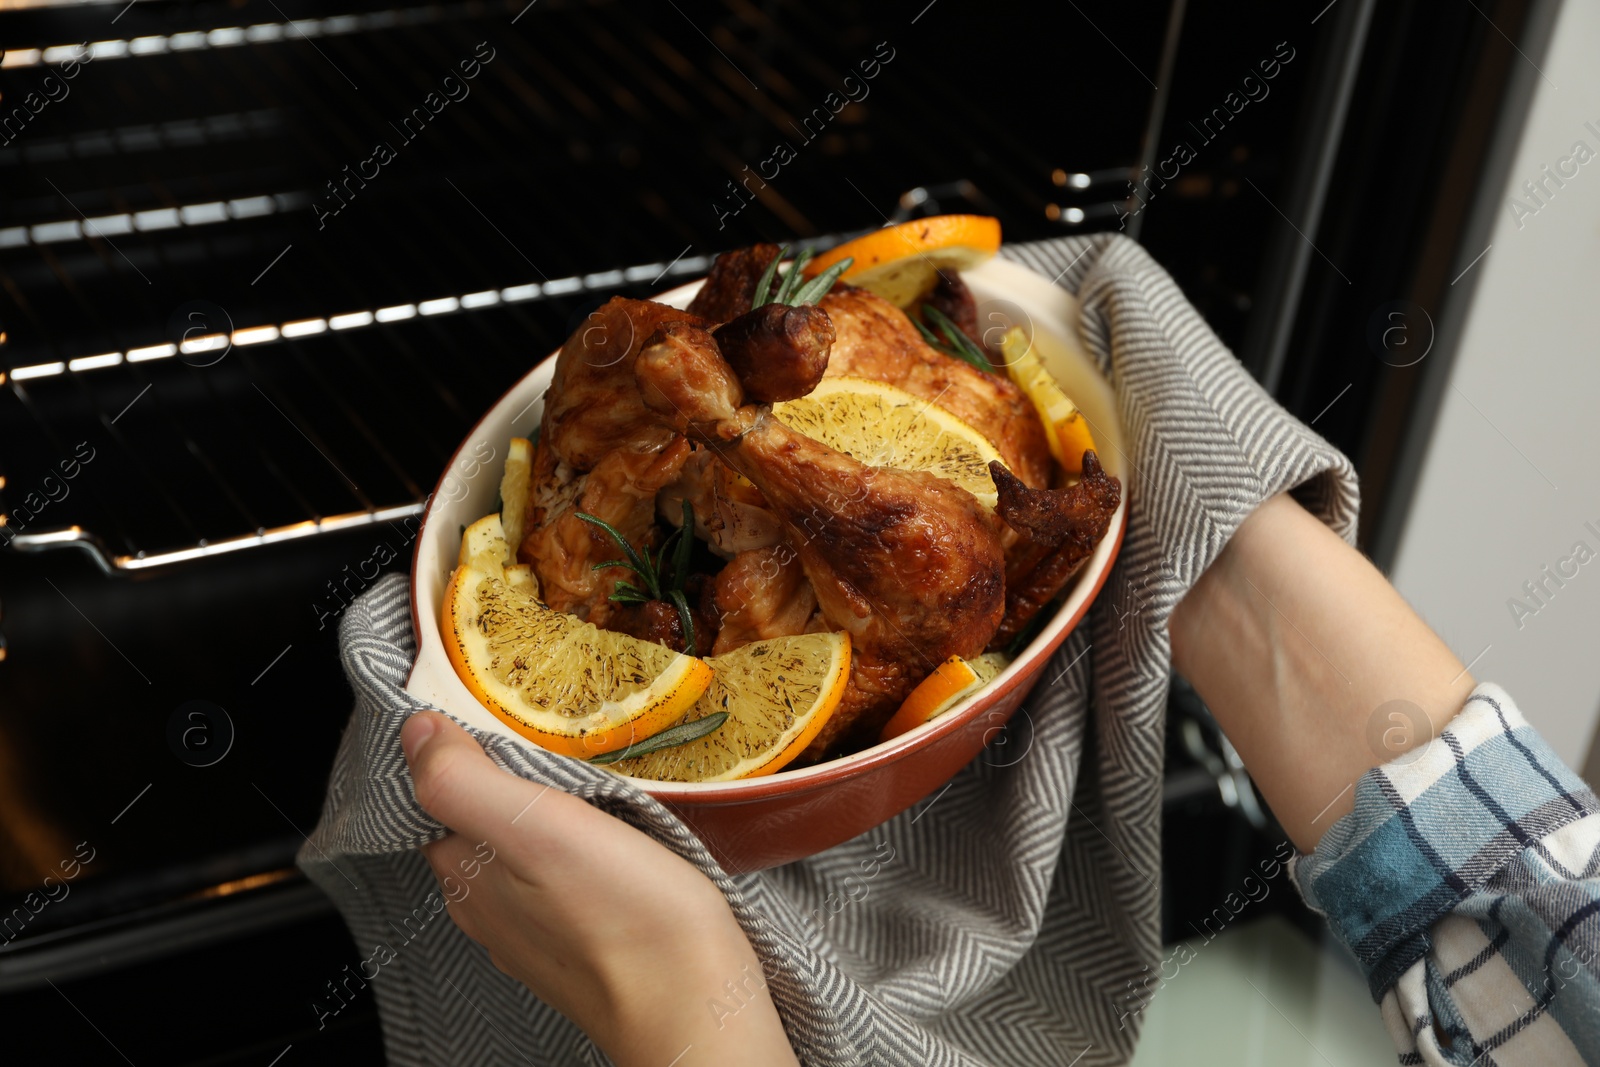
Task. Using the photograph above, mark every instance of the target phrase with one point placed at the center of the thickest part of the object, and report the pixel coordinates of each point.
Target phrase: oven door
(262, 264)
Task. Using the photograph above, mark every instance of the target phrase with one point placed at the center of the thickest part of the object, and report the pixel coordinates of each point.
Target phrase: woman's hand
(620, 935)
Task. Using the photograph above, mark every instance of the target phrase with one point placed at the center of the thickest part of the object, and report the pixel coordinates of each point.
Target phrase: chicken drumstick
(908, 564)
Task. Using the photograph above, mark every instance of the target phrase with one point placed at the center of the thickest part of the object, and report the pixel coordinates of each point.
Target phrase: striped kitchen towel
(1009, 914)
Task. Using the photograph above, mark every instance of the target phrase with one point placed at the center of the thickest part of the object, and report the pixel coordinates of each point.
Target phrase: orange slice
(901, 263)
(952, 681)
(883, 426)
(562, 683)
(778, 694)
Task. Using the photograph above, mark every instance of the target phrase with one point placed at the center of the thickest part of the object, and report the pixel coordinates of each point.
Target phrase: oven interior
(263, 264)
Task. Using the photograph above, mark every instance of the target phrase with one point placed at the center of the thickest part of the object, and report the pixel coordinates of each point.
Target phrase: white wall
(1512, 473)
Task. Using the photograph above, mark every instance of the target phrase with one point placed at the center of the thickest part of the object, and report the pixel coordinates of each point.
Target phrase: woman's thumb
(457, 783)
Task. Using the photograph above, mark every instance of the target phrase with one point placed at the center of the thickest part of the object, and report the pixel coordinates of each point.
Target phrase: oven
(263, 262)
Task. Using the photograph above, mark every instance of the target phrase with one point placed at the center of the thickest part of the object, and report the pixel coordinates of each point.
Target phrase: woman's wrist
(703, 997)
(1316, 669)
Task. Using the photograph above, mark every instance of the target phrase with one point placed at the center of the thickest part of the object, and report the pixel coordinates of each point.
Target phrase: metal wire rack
(217, 341)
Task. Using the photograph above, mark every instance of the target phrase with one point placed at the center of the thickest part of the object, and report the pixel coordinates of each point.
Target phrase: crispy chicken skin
(762, 594)
(1059, 528)
(621, 489)
(593, 404)
(730, 514)
(680, 372)
(778, 352)
(874, 339)
(908, 564)
(731, 284)
(552, 487)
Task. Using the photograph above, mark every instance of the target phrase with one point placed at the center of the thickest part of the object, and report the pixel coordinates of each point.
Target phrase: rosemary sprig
(677, 735)
(791, 278)
(792, 288)
(955, 342)
(764, 283)
(659, 583)
(818, 287)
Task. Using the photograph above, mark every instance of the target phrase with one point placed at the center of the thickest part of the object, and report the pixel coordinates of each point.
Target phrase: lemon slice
(901, 263)
(951, 682)
(1068, 431)
(516, 483)
(887, 427)
(562, 683)
(484, 545)
(778, 694)
(989, 665)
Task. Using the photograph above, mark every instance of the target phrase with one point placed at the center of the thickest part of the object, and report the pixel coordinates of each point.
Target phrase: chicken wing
(874, 339)
(1060, 529)
(731, 284)
(601, 451)
(621, 489)
(593, 406)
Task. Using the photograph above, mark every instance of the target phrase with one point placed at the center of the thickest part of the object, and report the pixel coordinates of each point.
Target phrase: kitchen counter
(1262, 993)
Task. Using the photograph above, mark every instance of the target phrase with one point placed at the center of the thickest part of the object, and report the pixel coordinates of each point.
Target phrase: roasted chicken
(564, 549)
(650, 407)
(592, 406)
(761, 594)
(600, 452)
(908, 564)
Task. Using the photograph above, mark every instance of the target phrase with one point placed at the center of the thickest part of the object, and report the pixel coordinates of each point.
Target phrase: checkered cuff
(1432, 827)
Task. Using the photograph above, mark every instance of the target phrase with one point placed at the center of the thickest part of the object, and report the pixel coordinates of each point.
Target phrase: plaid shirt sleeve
(1466, 882)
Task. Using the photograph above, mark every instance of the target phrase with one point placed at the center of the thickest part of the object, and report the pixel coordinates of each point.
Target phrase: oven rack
(95, 545)
(271, 429)
(100, 546)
